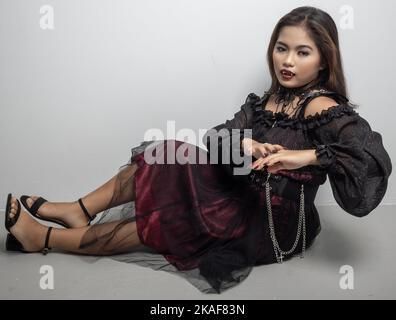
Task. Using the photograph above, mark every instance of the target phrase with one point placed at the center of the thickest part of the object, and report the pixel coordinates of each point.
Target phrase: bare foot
(70, 213)
(27, 230)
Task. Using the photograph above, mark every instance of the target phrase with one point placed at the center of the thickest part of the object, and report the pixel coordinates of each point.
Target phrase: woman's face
(296, 52)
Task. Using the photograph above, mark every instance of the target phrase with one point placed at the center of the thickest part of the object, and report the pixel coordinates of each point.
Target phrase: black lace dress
(211, 226)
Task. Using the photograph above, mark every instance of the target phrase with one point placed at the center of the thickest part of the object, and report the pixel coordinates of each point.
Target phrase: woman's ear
(322, 65)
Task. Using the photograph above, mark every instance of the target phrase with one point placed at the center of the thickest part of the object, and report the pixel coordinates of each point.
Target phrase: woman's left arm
(355, 160)
(352, 155)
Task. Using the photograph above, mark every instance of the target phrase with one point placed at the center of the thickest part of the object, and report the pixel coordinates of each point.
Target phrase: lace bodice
(349, 152)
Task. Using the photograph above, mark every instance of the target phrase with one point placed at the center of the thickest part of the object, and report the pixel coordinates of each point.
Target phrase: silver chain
(279, 253)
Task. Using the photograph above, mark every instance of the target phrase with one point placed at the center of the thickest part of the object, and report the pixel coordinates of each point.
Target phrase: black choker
(285, 96)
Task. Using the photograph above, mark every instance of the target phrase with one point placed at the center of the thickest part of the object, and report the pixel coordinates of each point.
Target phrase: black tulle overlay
(201, 222)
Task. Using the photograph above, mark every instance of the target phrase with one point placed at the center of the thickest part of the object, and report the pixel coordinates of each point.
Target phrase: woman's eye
(304, 53)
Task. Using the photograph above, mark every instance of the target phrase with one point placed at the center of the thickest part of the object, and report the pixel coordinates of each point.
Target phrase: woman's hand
(285, 159)
(259, 150)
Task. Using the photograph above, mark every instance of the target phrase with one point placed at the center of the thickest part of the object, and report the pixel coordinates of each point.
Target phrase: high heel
(40, 201)
(12, 243)
(10, 221)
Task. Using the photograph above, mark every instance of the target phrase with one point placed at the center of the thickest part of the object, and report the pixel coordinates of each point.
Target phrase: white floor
(366, 244)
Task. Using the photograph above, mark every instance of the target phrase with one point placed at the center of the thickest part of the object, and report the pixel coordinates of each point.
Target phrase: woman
(211, 224)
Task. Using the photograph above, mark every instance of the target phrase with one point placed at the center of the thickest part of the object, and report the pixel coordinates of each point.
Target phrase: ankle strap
(46, 247)
(85, 210)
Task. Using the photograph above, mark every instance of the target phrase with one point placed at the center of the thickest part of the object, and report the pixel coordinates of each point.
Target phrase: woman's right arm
(224, 141)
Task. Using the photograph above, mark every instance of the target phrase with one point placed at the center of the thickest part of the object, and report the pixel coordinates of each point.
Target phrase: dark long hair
(322, 29)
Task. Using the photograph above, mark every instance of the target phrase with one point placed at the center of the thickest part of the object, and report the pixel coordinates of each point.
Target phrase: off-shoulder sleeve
(354, 157)
(224, 141)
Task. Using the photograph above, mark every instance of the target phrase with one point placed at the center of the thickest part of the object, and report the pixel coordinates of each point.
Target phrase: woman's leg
(101, 239)
(118, 190)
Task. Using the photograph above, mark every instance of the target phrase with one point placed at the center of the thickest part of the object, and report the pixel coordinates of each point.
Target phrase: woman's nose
(289, 60)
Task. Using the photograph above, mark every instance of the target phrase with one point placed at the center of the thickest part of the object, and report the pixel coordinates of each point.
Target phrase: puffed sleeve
(354, 159)
(224, 141)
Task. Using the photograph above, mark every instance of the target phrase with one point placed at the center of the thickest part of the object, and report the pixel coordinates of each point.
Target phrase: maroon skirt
(199, 217)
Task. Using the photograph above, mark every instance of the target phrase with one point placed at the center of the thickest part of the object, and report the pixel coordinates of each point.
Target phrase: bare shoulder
(318, 104)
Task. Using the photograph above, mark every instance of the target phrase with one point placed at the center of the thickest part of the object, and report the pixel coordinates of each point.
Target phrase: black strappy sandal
(40, 201)
(12, 243)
